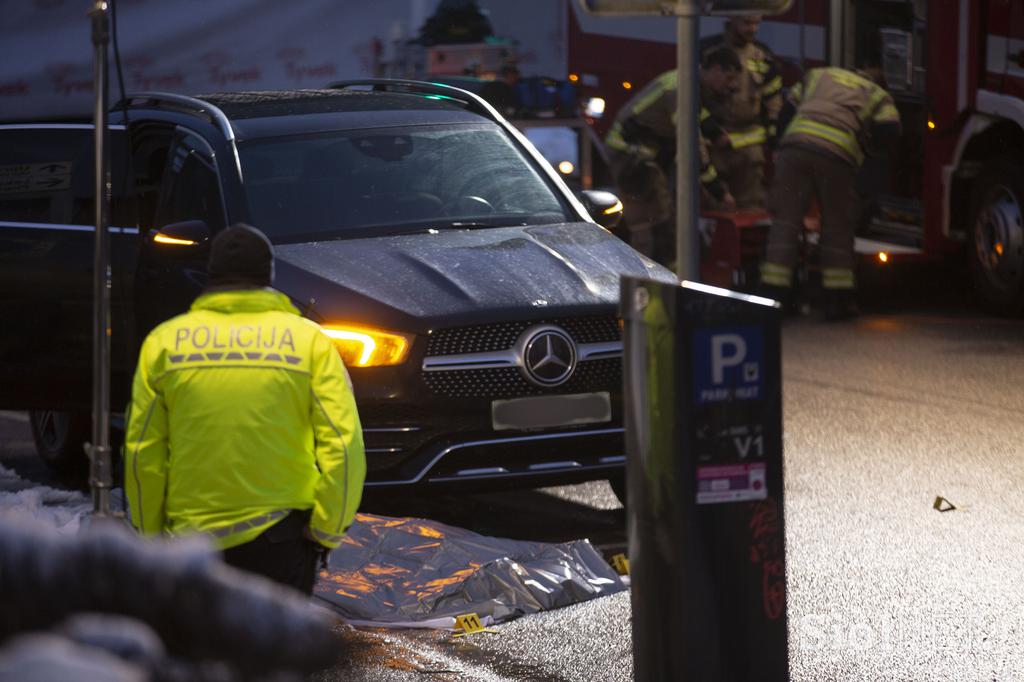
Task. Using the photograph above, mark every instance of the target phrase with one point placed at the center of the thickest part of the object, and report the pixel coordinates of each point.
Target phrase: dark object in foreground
(200, 608)
(705, 483)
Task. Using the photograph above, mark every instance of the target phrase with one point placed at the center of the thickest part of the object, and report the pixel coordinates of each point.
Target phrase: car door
(47, 238)
(170, 274)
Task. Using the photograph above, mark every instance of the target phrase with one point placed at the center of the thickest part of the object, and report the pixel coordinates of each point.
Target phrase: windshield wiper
(459, 225)
(475, 224)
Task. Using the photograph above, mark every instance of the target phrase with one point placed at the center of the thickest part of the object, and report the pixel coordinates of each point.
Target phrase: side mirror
(604, 207)
(186, 234)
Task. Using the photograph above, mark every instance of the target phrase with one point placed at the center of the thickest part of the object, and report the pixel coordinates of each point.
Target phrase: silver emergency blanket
(406, 570)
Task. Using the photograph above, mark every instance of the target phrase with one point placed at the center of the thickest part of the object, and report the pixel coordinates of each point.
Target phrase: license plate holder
(550, 411)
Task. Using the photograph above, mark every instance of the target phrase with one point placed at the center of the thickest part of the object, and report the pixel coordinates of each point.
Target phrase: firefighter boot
(840, 304)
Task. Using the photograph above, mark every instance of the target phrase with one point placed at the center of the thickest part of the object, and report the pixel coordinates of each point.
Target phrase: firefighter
(642, 145)
(838, 115)
(242, 424)
(750, 116)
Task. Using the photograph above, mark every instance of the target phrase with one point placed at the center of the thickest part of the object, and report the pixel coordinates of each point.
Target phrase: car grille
(501, 336)
(508, 382)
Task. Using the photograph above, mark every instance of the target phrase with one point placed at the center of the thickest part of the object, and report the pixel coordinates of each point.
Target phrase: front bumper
(429, 422)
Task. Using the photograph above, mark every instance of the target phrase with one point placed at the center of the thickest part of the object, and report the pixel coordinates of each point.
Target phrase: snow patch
(23, 500)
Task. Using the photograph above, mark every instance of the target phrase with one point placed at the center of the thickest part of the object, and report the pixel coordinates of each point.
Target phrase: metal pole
(586, 158)
(687, 153)
(803, 23)
(100, 478)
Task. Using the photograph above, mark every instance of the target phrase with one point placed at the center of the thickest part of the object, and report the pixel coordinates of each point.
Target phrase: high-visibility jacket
(646, 127)
(242, 411)
(750, 115)
(837, 110)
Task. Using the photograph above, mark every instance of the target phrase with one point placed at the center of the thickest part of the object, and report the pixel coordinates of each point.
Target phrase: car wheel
(996, 250)
(618, 484)
(59, 437)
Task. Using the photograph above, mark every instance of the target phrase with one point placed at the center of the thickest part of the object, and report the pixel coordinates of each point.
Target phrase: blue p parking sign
(727, 364)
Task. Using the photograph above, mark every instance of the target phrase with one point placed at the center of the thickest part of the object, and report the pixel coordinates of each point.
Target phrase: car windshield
(392, 181)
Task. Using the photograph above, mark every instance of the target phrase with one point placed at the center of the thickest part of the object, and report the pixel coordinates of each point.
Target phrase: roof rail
(190, 104)
(473, 101)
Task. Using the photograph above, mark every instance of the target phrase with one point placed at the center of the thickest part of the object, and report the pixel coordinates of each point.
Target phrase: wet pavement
(882, 416)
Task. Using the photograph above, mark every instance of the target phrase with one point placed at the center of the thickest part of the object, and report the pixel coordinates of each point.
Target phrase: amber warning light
(164, 239)
(367, 347)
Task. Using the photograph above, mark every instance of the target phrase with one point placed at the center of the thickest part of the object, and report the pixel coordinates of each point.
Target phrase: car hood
(460, 274)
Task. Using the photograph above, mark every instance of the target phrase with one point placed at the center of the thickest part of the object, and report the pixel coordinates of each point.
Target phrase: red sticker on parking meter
(732, 483)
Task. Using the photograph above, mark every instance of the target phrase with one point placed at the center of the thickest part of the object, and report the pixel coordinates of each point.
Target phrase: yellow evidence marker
(470, 624)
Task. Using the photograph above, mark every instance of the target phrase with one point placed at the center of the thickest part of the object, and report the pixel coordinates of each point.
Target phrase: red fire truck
(953, 185)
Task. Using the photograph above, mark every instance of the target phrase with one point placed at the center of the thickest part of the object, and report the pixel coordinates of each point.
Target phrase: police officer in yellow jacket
(750, 115)
(838, 114)
(243, 426)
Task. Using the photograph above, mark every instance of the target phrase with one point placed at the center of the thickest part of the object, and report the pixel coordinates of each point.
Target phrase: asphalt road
(882, 415)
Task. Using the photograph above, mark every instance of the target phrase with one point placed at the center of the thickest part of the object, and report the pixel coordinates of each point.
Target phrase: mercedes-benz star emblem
(549, 356)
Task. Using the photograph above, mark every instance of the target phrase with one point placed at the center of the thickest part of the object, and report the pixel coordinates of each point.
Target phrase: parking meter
(704, 483)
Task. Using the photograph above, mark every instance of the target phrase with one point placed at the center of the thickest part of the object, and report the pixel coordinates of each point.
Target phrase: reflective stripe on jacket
(835, 109)
(241, 411)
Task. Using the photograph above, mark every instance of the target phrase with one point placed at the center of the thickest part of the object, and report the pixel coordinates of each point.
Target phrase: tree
(456, 21)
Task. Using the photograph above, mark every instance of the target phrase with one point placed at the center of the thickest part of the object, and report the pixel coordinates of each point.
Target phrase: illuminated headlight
(595, 107)
(366, 347)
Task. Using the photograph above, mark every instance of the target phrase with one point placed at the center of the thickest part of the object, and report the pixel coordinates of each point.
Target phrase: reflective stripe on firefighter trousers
(837, 278)
(776, 275)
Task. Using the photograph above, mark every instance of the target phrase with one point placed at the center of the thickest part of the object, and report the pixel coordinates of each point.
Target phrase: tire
(618, 484)
(59, 437)
(995, 249)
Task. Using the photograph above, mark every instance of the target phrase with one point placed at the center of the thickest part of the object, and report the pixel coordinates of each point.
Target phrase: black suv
(471, 296)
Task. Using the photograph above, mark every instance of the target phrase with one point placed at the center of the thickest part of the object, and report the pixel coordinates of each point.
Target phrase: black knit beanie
(241, 255)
